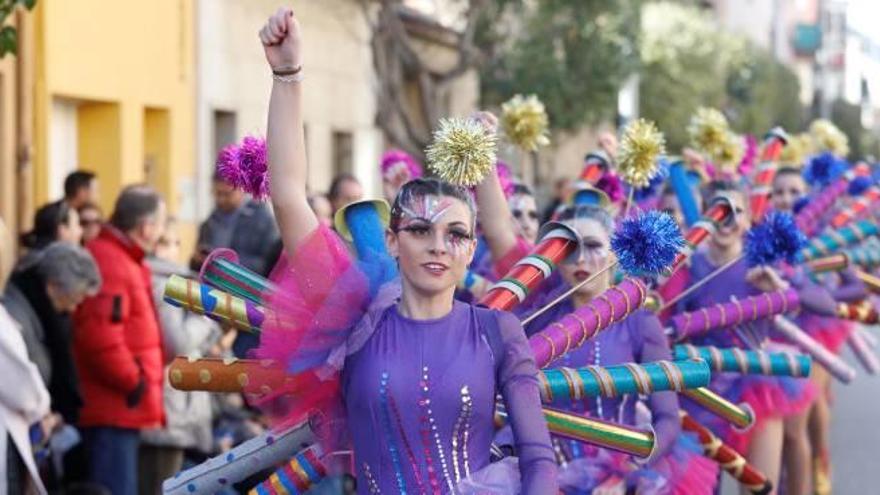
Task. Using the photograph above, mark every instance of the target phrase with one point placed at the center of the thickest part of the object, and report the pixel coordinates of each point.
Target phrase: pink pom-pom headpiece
(245, 166)
(393, 157)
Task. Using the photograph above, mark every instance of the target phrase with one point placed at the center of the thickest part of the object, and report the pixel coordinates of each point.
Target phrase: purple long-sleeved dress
(420, 398)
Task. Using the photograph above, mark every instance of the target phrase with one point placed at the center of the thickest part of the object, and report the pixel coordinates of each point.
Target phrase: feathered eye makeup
(421, 219)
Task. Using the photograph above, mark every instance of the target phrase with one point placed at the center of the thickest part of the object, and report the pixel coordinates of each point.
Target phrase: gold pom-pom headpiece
(525, 122)
(709, 132)
(637, 154)
(729, 153)
(463, 151)
(827, 137)
(796, 151)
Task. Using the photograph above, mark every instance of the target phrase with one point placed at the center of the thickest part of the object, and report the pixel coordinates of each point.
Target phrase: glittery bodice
(420, 397)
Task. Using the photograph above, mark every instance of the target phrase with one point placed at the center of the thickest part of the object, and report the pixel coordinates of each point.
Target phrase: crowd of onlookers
(85, 339)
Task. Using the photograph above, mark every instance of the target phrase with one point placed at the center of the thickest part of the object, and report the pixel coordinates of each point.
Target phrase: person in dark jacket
(117, 344)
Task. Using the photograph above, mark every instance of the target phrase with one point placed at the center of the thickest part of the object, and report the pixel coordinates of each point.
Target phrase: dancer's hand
(282, 40)
(608, 143)
(611, 486)
(766, 279)
(487, 119)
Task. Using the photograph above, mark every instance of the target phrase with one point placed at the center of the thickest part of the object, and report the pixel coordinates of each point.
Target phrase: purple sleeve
(517, 380)
(851, 289)
(664, 405)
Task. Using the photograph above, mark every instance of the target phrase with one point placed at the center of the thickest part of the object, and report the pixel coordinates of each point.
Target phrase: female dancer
(420, 375)
(772, 399)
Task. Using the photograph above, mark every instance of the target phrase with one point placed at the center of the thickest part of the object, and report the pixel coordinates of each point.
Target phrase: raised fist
(282, 42)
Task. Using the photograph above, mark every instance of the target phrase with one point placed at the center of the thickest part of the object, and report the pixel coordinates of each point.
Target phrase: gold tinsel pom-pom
(709, 132)
(796, 151)
(637, 153)
(525, 122)
(827, 137)
(463, 152)
(730, 152)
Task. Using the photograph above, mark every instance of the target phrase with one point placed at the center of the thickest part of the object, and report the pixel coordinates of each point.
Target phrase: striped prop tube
(729, 459)
(833, 240)
(866, 256)
(262, 452)
(215, 304)
(759, 198)
(740, 415)
(221, 270)
(560, 385)
(595, 166)
(833, 263)
(862, 312)
(867, 201)
(224, 375)
(556, 244)
(872, 283)
(863, 352)
(294, 478)
(684, 192)
(810, 215)
(836, 366)
(693, 323)
(720, 212)
(605, 434)
(735, 360)
(575, 328)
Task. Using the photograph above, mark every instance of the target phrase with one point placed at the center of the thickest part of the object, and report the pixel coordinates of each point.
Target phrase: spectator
(188, 414)
(80, 188)
(322, 208)
(24, 399)
(53, 222)
(90, 219)
(344, 189)
(561, 190)
(241, 224)
(117, 345)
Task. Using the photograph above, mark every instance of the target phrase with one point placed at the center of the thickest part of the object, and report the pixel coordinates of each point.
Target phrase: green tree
(8, 35)
(762, 93)
(573, 54)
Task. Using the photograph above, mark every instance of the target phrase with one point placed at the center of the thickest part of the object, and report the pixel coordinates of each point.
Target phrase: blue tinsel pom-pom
(823, 169)
(800, 203)
(859, 185)
(774, 239)
(647, 244)
(655, 184)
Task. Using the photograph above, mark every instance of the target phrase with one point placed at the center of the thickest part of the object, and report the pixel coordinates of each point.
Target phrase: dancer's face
(730, 234)
(525, 215)
(669, 204)
(787, 189)
(434, 243)
(593, 255)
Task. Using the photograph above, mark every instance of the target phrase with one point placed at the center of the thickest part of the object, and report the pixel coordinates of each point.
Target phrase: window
(224, 130)
(343, 152)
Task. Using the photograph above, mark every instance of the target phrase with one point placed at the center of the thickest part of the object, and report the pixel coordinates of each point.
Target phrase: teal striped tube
(566, 384)
(222, 271)
(747, 362)
(866, 256)
(833, 240)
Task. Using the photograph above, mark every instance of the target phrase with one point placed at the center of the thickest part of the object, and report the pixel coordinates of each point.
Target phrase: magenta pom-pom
(227, 166)
(245, 166)
(610, 184)
(750, 156)
(505, 177)
(394, 156)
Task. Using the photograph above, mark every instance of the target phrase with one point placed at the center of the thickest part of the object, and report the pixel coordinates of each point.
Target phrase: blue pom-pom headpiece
(646, 244)
(774, 239)
(823, 169)
(859, 185)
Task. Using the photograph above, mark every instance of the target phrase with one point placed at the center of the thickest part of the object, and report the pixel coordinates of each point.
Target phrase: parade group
(665, 322)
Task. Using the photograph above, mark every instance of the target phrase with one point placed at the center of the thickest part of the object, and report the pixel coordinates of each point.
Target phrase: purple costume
(769, 397)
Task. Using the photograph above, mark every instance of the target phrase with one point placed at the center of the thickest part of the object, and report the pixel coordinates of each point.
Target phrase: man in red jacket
(117, 344)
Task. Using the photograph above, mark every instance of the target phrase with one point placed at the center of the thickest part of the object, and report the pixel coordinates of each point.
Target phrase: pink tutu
(769, 398)
(830, 332)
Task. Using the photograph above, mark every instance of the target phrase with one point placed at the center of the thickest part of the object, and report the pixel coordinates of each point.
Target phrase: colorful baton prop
(556, 244)
(224, 375)
(263, 452)
(740, 416)
(866, 202)
(836, 366)
(765, 172)
(735, 360)
(684, 192)
(808, 218)
(296, 477)
(215, 304)
(595, 165)
(566, 384)
(221, 270)
(473, 283)
(833, 263)
(863, 352)
(693, 323)
(831, 241)
(573, 329)
(730, 460)
(866, 256)
(862, 312)
(604, 434)
(871, 282)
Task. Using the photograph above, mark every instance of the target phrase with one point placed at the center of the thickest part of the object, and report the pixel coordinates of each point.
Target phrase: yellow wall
(131, 64)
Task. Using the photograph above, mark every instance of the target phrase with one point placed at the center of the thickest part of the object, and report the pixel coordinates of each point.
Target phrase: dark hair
(46, 222)
(76, 181)
(593, 212)
(419, 188)
(789, 171)
(522, 189)
(134, 205)
(336, 185)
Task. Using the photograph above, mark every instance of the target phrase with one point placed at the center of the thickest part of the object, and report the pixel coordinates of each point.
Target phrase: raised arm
(493, 213)
(285, 139)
